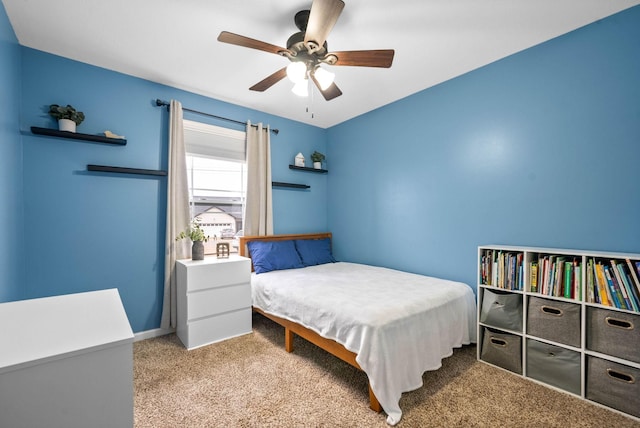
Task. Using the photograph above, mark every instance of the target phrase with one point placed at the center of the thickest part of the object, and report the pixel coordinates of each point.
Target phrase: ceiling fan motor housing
(296, 45)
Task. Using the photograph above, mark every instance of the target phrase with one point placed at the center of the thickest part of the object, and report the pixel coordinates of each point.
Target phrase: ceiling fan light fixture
(324, 77)
(296, 72)
(301, 88)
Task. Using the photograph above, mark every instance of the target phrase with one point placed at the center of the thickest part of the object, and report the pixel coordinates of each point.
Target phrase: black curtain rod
(161, 103)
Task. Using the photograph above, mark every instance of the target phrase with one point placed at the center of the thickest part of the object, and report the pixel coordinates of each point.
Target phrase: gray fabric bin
(501, 309)
(614, 385)
(554, 320)
(614, 333)
(554, 365)
(502, 349)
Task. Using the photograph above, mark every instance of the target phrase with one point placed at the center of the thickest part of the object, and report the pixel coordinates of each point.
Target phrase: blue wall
(11, 224)
(541, 148)
(89, 231)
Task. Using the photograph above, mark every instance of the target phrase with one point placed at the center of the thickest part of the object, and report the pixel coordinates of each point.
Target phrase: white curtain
(258, 217)
(178, 216)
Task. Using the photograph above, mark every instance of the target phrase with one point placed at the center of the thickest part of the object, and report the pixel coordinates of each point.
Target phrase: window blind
(214, 141)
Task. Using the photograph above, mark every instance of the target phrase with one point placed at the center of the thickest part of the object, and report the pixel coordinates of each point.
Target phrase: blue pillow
(273, 255)
(315, 251)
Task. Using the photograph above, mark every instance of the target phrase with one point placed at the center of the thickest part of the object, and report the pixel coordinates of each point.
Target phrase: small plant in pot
(68, 117)
(317, 158)
(195, 233)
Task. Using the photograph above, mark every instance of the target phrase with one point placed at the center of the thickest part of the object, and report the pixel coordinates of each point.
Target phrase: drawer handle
(551, 311)
(498, 342)
(623, 324)
(621, 376)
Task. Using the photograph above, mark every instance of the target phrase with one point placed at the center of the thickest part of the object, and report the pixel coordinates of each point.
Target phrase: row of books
(502, 269)
(614, 283)
(559, 276)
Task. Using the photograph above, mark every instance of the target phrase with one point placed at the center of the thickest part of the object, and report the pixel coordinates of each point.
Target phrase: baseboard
(150, 334)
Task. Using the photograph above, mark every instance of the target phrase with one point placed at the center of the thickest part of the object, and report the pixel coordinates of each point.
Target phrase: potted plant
(317, 159)
(195, 233)
(68, 118)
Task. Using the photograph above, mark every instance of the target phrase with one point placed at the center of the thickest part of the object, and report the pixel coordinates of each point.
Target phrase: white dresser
(66, 362)
(213, 299)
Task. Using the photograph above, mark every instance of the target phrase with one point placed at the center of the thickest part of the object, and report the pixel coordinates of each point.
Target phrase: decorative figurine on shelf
(222, 250)
(110, 134)
(299, 161)
(317, 159)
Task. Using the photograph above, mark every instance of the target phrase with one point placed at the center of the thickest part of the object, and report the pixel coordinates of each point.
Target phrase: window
(216, 172)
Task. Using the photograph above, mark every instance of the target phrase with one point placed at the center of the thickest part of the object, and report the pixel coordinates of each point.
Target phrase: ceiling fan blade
(374, 58)
(330, 93)
(270, 81)
(322, 18)
(236, 39)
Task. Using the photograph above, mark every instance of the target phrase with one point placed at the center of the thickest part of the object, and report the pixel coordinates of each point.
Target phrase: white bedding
(399, 324)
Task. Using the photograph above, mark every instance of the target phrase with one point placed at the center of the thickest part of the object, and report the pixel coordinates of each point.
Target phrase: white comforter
(399, 324)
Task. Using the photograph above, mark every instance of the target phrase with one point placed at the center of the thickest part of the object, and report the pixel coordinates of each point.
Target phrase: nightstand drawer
(217, 300)
(215, 329)
(230, 272)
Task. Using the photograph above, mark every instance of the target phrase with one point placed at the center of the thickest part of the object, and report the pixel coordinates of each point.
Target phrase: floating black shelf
(305, 168)
(290, 185)
(78, 136)
(122, 170)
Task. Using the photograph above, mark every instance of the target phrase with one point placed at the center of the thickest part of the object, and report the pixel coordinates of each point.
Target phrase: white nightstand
(213, 299)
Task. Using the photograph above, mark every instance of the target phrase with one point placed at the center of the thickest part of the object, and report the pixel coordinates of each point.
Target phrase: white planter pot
(66, 125)
(317, 165)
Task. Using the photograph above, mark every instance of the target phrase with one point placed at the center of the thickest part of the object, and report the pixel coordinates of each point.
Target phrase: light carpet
(251, 381)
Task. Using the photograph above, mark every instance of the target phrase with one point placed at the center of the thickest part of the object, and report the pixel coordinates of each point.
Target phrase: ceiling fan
(307, 50)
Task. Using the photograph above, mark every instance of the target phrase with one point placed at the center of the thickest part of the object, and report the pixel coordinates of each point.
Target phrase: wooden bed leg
(288, 340)
(373, 401)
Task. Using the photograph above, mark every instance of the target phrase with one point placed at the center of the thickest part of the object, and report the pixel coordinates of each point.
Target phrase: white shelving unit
(559, 336)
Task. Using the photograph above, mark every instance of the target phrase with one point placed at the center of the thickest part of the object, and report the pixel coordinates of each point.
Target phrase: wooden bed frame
(291, 328)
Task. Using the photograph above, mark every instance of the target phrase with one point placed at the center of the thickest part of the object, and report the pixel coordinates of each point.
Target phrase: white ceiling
(174, 43)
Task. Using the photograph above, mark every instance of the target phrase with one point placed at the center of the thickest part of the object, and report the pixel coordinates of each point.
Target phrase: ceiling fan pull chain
(310, 96)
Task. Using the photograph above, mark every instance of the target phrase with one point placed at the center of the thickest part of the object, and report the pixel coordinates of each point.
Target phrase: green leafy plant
(68, 112)
(193, 232)
(317, 157)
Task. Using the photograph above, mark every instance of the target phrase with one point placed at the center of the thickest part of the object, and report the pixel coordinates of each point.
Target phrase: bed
(393, 325)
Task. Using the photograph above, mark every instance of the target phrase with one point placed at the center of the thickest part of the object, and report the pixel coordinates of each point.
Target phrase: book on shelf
(551, 278)
(533, 276)
(499, 272)
(592, 292)
(627, 283)
(635, 277)
(568, 280)
(616, 294)
(520, 269)
(601, 284)
(559, 278)
(548, 275)
(577, 280)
